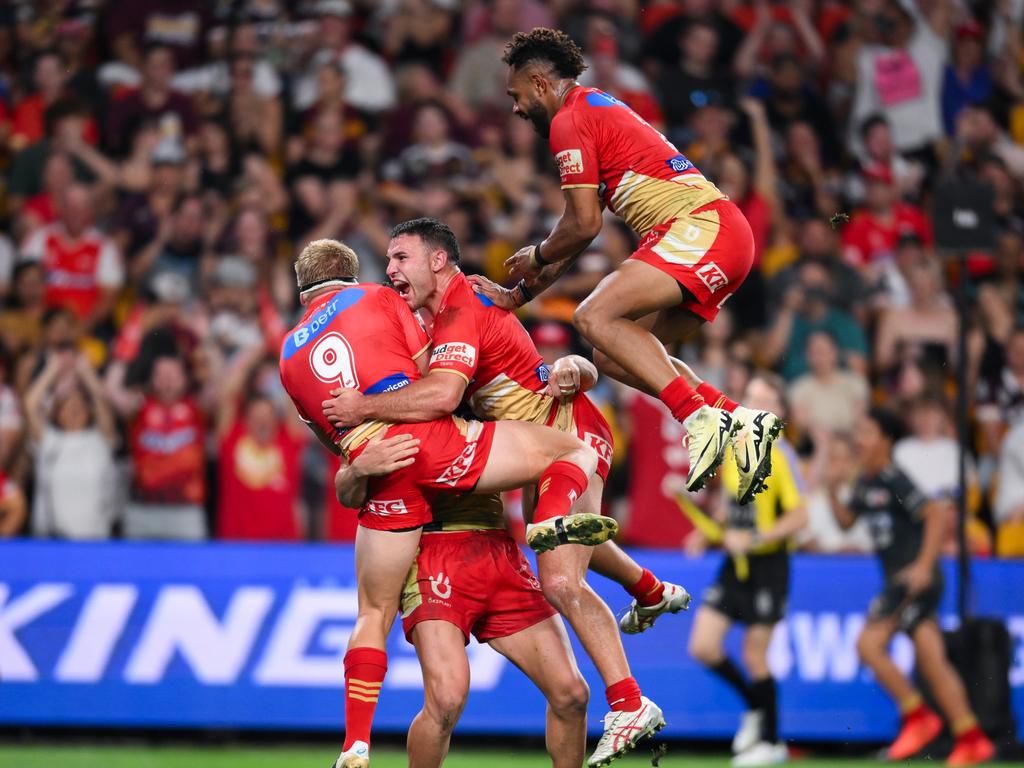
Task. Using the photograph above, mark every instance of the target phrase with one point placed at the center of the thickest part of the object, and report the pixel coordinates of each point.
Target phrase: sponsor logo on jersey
(454, 352)
(168, 442)
(388, 384)
(570, 162)
(386, 507)
(679, 163)
(601, 446)
(441, 586)
(543, 373)
(458, 468)
(313, 327)
(712, 276)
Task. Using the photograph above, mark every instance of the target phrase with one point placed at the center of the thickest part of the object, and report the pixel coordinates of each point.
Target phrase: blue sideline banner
(252, 636)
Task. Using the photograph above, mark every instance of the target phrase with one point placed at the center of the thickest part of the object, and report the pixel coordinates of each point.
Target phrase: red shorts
(453, 454)
(477, 580)
(709, 252)
(592, 428)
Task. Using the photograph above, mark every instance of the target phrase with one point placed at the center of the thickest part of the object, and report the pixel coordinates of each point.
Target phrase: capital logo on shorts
(441, 586)
(386, 507)
(458, 468)
(712, 276)
(454, 352)
(570, 162)
(601, 446)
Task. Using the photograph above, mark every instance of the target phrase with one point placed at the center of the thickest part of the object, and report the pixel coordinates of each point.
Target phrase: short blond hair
(325, 259)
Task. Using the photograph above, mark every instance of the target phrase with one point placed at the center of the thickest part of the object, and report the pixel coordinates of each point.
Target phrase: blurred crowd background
(164, 160)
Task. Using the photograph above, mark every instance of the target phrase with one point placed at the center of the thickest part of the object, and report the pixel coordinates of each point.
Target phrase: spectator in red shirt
(83, 266)
(872, 234)
(167, 443)
(260, 456)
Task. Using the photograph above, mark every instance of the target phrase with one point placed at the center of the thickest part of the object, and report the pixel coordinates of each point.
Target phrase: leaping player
(696, 249)
(364, 337)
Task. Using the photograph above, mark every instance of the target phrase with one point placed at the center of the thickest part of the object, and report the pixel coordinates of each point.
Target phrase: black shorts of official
(893, 601)
(761, 598)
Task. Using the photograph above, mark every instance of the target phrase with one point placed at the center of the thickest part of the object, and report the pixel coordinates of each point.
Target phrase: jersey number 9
(332, 361)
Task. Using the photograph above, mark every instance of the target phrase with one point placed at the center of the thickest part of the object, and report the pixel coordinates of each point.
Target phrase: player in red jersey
(483, 354)
(696, 248)
(364, 337)
(470, 578)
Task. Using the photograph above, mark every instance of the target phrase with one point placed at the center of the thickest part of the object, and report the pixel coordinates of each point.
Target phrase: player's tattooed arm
(579, 224)
(382, 456)
(524, 291)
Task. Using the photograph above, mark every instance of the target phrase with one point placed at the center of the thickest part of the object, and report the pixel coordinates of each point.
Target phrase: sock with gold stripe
(364, 672)
(560, 485)
(715, 398)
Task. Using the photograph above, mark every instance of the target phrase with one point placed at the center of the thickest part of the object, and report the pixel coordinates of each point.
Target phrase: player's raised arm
(579, 224)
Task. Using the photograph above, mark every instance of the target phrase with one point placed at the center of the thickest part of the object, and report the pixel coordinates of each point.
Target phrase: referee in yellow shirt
(753, 583)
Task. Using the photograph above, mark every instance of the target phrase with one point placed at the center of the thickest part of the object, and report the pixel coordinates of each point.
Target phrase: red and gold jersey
(362, 337)
(168, 453)
(600, 142)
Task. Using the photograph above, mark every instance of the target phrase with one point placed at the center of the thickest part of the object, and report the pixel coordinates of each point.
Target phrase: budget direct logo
(454, 352)
(570, 162)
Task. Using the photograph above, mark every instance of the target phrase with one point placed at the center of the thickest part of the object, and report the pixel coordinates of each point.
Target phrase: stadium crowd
(164, 161)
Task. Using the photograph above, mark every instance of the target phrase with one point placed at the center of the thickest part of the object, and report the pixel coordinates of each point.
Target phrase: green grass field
(275, 757)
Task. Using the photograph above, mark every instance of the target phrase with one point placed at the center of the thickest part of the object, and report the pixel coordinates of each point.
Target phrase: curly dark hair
(549, 45)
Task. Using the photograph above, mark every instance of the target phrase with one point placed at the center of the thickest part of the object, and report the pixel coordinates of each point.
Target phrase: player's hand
(916, 577)
(382, 456)
(501, 296)
(346, 409)
(564, 379)
(520, 263)
(737, 542)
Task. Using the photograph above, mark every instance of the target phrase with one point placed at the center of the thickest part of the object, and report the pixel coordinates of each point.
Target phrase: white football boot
(356, 756)
(708, 431)
(622, 731)
(640, 618)
(752, 448)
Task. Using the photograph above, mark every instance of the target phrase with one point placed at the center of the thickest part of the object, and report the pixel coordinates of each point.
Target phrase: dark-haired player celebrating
(696, 249)
(907, 532)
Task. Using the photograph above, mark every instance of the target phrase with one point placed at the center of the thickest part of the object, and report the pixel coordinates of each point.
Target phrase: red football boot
(971, 748)
(918, 729)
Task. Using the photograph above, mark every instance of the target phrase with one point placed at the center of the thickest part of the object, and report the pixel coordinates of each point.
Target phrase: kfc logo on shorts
(456, 352)
(712, 276)
(459, 467)
(570, 162)
(386, 507)
(601, 446)
(441, 586)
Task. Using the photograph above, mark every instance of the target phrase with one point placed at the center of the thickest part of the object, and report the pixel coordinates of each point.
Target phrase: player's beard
(537, 115)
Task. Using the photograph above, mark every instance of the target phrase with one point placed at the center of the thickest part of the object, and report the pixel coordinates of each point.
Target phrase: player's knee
(589, 318)
(445, 703)
(869, 645)
(570, 700)
(562, 590)
(704, 650)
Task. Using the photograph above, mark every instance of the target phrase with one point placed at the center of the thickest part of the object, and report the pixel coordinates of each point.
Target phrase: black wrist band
(537, 256)
(521, 285)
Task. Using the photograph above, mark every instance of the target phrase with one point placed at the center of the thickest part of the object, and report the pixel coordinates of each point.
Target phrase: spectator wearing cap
(967, 79)
(899, 74)
(695, 81)
(873, 231)
(156, 102)
(827, 397)
(369, 85)
(83, 267)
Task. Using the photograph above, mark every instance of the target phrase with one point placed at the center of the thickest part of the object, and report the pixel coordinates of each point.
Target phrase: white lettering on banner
(286, 662)
(15, 663)
(825, 645)
(1016, 626)
(96, 632)
(182, 622)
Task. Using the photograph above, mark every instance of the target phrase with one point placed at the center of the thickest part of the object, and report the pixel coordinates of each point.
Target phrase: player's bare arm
(432, 397)
(579, 224)
(521, 294)
(382, 456)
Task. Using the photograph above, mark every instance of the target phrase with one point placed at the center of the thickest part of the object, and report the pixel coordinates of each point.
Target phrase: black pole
(964, 559)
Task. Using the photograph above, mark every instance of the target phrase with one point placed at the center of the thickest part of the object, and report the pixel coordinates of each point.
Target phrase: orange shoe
(919, 728)
(972, 748)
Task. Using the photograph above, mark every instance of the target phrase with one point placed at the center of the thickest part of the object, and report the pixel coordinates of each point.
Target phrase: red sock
(681, 398)
(364, 672)
(716, 399)
(647, 590)
(623, 696)
(918, 711)
(560, 485)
